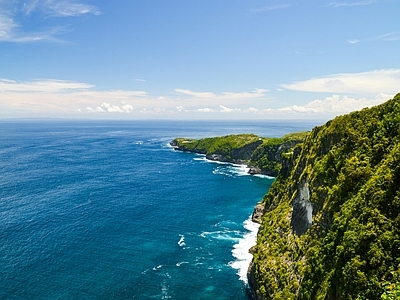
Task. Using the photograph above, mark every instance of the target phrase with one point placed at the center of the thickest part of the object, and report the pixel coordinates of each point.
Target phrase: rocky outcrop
(258, 212)
(301, 209)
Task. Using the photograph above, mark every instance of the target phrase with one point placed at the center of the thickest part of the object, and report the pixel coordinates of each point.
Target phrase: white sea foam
(232, 170)
(241, 170)
(231, 235)
(181, 263)
(241, 250)
(264, 176)
(181, 241)
(202, 158)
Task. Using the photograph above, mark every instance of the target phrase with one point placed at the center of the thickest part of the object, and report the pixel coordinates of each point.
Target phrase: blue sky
(208, 59)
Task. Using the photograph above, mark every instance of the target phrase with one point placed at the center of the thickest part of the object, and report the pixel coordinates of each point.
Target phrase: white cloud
(127, 107)
(7, 26)
(365, 83)
(353, 41)
(256, 93)
(391, 36)
(335, 105)
(225, 109)
(271, 7)
(224, 97)
(30, 6)
(107, 107)
(195, 94)
(59, 8)
(387, 37)
(68, 9)
(12, 30)
(339, 4)
(44, 86)
(322, 109)
(252, 110)
(61, 98)
(206, 110)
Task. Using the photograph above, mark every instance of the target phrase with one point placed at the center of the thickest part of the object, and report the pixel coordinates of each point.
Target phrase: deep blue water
(108, 210)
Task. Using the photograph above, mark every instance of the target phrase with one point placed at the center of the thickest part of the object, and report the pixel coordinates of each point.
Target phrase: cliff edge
(262, 155)
(330, 224)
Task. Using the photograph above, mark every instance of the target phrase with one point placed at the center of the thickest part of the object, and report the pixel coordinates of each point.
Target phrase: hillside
(263, 155)
(331, 223)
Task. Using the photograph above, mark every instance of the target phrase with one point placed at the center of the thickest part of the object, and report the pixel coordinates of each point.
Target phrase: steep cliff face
(236, 155)
(269, 157)
(331, 220)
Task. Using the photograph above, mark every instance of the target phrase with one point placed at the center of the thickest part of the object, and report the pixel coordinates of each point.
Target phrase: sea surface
(108, 210)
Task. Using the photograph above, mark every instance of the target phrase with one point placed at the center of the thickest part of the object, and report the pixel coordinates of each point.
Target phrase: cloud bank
(365, 83)
(61, 98)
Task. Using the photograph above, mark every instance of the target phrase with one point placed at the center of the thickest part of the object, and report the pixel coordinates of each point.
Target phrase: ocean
(109, 210)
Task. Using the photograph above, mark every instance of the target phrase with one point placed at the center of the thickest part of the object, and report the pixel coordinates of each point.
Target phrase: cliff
(331, 220)
(263, 155)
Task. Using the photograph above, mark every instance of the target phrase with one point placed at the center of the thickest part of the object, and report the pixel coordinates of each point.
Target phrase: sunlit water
(108, 210)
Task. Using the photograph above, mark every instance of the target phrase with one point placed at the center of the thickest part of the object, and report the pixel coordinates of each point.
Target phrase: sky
(187, 59)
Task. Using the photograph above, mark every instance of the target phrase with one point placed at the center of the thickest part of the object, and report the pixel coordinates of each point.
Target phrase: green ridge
(347, 172)
(263, 154)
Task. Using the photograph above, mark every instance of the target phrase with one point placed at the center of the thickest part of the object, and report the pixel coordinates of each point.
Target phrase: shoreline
(216, 158)
(242, 254)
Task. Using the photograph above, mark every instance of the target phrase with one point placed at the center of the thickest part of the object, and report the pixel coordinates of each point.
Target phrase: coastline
(218, 158)
(243, 250)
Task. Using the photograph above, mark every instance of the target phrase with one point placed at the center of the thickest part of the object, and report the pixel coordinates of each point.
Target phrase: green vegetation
(348, 173)
(217, 145)
(269, 155)
(262, 153)
(295, 136)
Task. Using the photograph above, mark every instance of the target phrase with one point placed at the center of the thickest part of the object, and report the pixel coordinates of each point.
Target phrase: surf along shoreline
(242, 250)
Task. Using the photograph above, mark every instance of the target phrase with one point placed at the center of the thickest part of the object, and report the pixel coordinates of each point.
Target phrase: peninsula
(262, 155)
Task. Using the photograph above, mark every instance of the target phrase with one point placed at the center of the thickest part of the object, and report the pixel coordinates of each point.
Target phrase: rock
(258, 213)
(254, 170)
(302, 209)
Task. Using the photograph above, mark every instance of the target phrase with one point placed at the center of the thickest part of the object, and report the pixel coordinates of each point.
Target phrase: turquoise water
(108, 210)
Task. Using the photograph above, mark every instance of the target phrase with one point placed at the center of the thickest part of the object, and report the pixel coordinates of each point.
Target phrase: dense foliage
(269, 155)
(348, 170)
(263, 153)
(217, 145)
